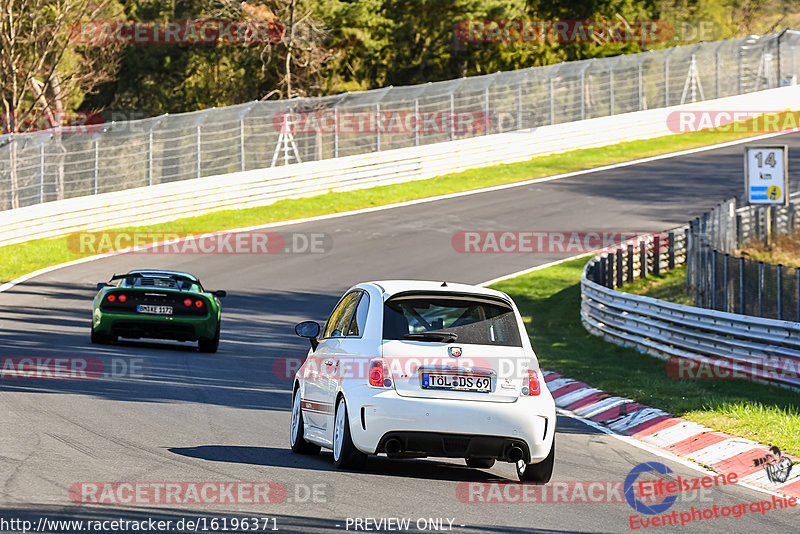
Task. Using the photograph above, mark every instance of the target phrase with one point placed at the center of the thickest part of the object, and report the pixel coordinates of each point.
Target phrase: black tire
(296, 440)
(101, 339)
(347, 456)
(540, 472)
(209, 345)
(480, 463)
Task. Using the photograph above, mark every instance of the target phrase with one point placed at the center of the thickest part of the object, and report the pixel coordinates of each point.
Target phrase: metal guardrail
(764, 350)
(114, 156)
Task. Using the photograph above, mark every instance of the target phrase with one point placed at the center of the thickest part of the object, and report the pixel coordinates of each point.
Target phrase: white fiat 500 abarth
(418, 369)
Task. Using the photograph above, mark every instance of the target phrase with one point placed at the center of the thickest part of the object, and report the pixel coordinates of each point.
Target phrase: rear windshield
(433, 318)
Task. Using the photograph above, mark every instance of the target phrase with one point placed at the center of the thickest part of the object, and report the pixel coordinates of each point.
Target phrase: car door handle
(328, 362)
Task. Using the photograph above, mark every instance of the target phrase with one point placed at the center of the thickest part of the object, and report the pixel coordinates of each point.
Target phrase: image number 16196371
(777, 466)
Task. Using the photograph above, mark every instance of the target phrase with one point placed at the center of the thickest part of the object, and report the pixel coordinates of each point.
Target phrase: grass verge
(670, 286)
(549, 301)
(16, 260)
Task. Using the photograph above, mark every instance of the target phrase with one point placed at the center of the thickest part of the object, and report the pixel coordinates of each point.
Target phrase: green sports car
(157, 305)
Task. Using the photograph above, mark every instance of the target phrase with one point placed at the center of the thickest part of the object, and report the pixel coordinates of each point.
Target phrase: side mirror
(101, 285)
(220, 293)
(310, 330)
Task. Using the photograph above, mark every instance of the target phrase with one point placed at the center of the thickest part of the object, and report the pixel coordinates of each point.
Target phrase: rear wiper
(444, 337)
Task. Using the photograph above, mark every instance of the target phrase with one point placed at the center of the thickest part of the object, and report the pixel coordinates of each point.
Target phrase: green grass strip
(549, 301)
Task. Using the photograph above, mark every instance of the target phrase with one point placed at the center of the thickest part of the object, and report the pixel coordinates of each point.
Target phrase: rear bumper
(452, 428)
(156, 327)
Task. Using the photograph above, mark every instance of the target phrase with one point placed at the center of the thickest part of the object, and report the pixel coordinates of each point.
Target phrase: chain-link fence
(723, 281)
(73, 162)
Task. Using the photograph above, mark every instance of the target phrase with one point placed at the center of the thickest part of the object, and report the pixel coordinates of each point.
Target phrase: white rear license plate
(480, 384)
(155, 310)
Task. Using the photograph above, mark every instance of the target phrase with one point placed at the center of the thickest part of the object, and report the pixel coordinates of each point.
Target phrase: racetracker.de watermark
(178, 32)
(72, 368)
(585, 31)
(727, 121)
(717, 369)
(190, 493)
(547, 241)
(246, 242)
(398, 121)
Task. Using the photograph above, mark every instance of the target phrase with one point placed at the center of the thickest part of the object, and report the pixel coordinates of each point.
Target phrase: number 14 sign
(766, 177)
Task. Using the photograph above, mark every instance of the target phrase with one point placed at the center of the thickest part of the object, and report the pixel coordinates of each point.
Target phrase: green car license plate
(154, 310)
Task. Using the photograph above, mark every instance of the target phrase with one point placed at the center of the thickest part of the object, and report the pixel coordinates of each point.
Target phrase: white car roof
(392, 287)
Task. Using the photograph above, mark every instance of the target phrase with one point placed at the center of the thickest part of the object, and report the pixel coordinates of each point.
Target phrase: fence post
(486, 124)
(552, 103)
(657, 255)
(713, 279)
(198, 150)
(335, 132)
(150, 157)
(741, 285)
(519, 105)
(378, 128)
(416, 115)
(611, 89)
(779, 288)
(760, 288)
(739, 236)
(96, 176)
(241, 143)
(726, 290)
(452, 116)
(41, 172)
(642, 259)
(630, 263)
(618, 255)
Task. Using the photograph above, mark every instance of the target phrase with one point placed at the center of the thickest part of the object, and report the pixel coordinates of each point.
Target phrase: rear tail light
(379, 374)
(122, 297)
(532, 388)
(111, 297)
(198, 303)
(187, 302)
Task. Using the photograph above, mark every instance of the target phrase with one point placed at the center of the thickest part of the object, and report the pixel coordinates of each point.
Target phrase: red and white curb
(718, 451)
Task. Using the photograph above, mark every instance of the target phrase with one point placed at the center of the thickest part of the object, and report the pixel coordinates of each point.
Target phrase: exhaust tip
(393, 446)
(515, 454)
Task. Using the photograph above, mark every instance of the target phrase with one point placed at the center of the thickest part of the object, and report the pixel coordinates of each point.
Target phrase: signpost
(766, 178)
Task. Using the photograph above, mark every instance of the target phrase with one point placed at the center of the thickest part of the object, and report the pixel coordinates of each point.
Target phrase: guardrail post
(760, 288)
(671, 251)
(602, 274)
(657, 255)
(610, 281)
(618, 256)
(630, 263)
(779, 288)
(741, 285)
(642, 259)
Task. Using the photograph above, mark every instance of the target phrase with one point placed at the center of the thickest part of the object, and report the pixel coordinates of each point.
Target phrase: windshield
(444, 319)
